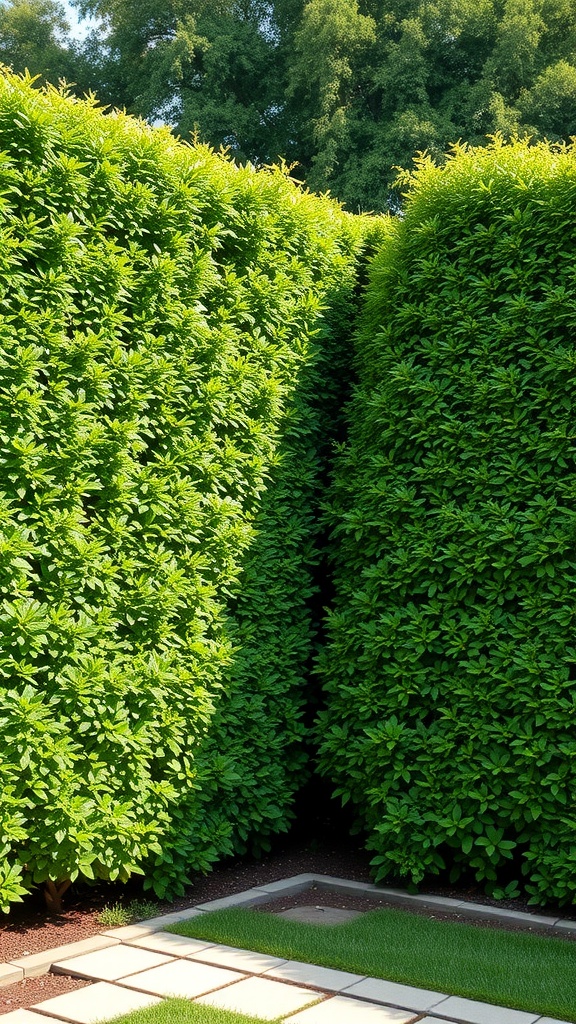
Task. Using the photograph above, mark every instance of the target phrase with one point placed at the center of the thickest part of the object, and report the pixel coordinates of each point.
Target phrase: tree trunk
(53, 893)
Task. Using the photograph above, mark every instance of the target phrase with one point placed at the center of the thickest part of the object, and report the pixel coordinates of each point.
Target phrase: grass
(118, 914)
(525, 972)
(182, 1011)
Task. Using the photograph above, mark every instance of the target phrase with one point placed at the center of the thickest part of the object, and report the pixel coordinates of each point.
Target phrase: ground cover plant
(526, 972)
(450, 670)
(182, 1011)
(165, 323)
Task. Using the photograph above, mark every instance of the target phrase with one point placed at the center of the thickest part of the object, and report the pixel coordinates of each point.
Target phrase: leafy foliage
(161, 333)
(450, 673)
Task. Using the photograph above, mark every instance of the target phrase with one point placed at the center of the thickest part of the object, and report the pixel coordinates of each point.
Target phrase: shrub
(162, 315)
(450, 674)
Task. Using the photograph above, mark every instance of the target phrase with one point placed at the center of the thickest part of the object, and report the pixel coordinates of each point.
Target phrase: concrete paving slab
(343, 885)
(238, 959)
(111, 964)
(9, 973)
(472, 1012)
(342, 1010)
(156, 924)
(320, 915)
(172, 945)
(23, 1017)
(310, 974)
(129, 931)
(296, 883)
(98, 1002)
(40, 963)
(239, 899)
(261, 998)
(184, 978)
(407, 996)
(541, 1020)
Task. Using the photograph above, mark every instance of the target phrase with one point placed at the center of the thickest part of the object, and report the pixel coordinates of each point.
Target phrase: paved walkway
(145, 965)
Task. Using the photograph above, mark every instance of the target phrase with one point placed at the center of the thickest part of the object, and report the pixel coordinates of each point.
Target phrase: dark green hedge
(162, 322)
(451, 670)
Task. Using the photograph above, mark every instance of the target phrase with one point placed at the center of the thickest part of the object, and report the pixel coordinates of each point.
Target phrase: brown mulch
(27, 993)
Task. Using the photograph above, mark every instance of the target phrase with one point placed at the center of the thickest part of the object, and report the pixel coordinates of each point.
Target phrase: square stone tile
(183, 978)
(111, 964)
(343, 1010)
(398, 995)
(261, 998)
(238, 959)
(171, 945)
(9, 973)
(98, 1002)
(311, 974)
(472, 1012)
(37, 964)
(23, 1017)
(541, 1020)
(239, 899)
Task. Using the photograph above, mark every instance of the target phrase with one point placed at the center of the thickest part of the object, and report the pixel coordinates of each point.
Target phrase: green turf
(526, 972)
(182, 1011)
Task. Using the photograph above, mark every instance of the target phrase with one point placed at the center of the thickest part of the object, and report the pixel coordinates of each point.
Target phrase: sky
(78, 28)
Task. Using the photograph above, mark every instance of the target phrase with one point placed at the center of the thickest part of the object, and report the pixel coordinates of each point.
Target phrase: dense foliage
(346, 89)
(164, 325)
(451, 668)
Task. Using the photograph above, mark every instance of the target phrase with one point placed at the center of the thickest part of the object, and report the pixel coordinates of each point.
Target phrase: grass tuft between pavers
(182, 1011)
(514, 969)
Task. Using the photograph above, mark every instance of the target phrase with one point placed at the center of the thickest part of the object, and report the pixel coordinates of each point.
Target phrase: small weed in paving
(181, 1011)
(526, 972)
(119, 914)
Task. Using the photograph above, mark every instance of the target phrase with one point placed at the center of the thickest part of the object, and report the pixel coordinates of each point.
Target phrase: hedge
(164, 327)
(450, 672)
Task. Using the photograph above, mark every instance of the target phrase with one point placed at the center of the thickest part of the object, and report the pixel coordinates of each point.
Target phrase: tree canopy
(347, 90)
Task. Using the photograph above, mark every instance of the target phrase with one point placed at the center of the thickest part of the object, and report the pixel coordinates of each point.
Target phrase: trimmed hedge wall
(450, 674)
(163, 336)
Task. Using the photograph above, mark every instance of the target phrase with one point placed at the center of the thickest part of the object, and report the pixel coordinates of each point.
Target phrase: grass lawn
(526, 972)
(182, 1011)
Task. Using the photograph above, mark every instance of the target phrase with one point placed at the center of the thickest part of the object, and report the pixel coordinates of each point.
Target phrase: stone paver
(406, 996)
(342, 1010)
(22, 1017)
(310, 974)
(237, 959)
(111, 964)
(98, 1002)
(183, 978)
(296, 883)
(39, 963)
(240, 899)
(261, 998)
(9, 973)
(320, 915)
(173, 945)
(550, 1020)
(472, 1012)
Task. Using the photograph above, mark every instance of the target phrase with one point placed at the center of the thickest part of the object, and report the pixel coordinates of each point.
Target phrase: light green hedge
(450, 671)
(164, 331)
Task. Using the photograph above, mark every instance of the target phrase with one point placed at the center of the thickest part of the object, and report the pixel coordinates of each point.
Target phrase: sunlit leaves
(450, 673)
(163, 398)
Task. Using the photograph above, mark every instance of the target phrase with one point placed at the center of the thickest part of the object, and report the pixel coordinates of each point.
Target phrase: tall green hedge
(450, 674)
(163, 328)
